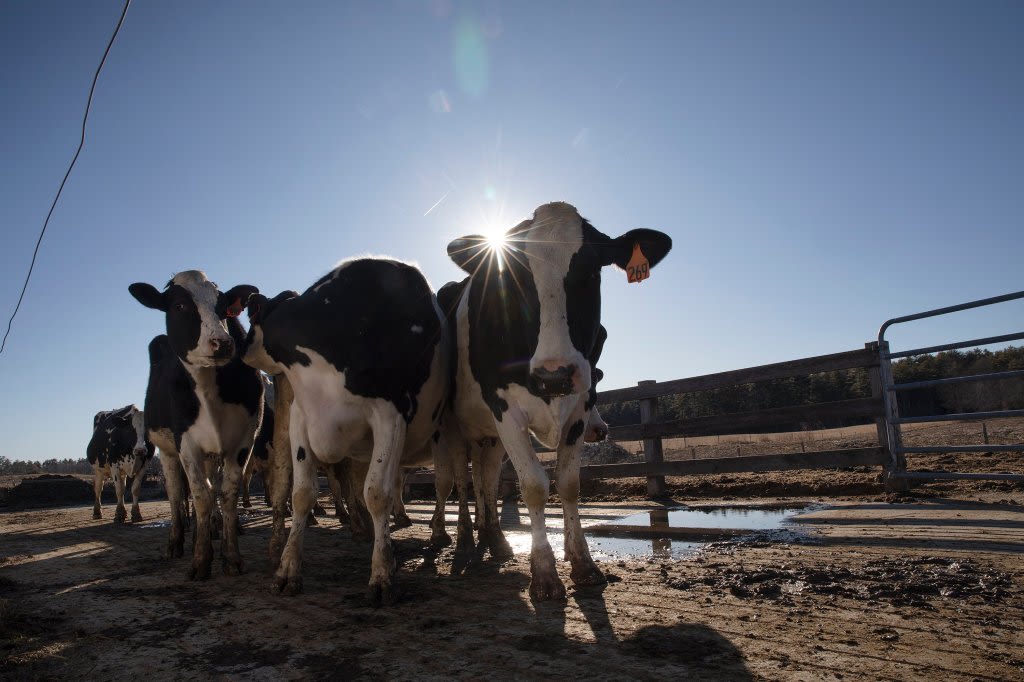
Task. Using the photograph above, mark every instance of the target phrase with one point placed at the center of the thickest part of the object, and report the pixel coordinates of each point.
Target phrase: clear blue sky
(820, 166)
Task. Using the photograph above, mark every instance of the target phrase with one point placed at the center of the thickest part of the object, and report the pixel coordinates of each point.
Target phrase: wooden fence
(651, 430)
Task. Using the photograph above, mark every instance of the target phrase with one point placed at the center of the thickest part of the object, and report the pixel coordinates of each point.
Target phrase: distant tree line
(974, 396)
(57, 466)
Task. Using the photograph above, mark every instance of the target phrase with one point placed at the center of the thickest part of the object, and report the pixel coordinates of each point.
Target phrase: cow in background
(527, 322)
(365, 350)
(203, 407)
(119, 449)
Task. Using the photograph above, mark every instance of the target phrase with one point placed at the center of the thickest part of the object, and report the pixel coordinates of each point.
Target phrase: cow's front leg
(118, 475)
(277, 473)
(567, 478)
(401, 516)
(193, 460)
(97, 488)
(443, 484)
(388, 428)
(136, 492)
(335, 472)
(488, 521)
(230, 557)
(359, 518)
(533, 480)
(288, 579)
(178, 501)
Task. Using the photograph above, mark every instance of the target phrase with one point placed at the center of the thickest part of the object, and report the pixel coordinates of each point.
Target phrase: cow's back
(373, 320)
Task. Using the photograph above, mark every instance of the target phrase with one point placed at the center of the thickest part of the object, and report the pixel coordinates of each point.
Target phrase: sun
(494, 237)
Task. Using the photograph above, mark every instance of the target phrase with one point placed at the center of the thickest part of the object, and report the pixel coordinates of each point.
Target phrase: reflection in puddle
(616, 547)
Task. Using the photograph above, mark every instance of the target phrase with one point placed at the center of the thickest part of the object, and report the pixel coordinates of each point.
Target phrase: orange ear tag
(235, 309)
(638, 268)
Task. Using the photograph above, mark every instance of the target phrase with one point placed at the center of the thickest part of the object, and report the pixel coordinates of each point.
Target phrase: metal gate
(893, 420)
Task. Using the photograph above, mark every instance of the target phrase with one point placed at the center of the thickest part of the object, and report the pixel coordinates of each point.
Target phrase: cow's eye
(180, 307)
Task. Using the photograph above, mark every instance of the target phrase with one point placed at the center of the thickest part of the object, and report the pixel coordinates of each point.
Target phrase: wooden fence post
(652, 446)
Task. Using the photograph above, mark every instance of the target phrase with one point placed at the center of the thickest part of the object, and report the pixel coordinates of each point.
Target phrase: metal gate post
(653, 453)
(894, 437)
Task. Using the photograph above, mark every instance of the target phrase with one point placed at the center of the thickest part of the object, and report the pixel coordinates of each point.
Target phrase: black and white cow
(203, 406)
(119, 449)
(365, 350)
(528, 320)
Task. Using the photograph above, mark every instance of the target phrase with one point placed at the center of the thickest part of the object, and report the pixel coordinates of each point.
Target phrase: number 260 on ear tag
(639, 268)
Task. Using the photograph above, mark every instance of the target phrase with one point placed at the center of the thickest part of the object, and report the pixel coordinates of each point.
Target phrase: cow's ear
(148, 295)
(255, 307)
(96, 420)
(232, 302)
(654, 245)
(469, 252)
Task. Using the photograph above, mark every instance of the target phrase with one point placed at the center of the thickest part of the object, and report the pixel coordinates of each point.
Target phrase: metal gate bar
(962, 416)
(956, 380)
(893, 420)
(960, 344)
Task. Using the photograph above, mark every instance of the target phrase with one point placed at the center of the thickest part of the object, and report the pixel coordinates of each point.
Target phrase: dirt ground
(863, 585)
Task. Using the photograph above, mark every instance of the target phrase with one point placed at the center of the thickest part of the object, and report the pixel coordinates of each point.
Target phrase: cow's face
(195, 313)
(256, 353)
(555, 260)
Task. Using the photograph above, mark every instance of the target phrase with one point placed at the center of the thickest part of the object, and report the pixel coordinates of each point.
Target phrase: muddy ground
(864, 585)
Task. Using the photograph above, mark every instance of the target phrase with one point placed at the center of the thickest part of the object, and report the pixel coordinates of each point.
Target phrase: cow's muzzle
(223, 349)
(551, 384)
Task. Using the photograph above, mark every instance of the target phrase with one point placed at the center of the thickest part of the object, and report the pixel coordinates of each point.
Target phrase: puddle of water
(617, 548)
(741, 518)
(166, 523)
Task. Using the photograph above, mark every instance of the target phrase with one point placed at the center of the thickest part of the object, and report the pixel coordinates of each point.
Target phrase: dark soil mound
(48, 490)
(607, 452)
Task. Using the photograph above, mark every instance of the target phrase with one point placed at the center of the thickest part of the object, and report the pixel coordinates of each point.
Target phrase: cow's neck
(205, 379)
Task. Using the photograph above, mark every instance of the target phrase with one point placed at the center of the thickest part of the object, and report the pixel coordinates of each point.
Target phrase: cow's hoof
(439, 538)
(200, 571)
(465, 544)
(587, 573)
(547, 587)
(402, 521)
(497, 544)
(288, 587)
(120, 516)
(232, 566)
(96, 514)
(246, 503)
(136, 516)
(382, 594)
(311, 521)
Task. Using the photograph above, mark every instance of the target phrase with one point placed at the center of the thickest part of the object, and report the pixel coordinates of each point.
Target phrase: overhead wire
(81, 143)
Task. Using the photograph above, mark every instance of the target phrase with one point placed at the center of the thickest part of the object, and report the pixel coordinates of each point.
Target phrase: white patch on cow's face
(212, 329)
(138, 423)
(555, 235)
